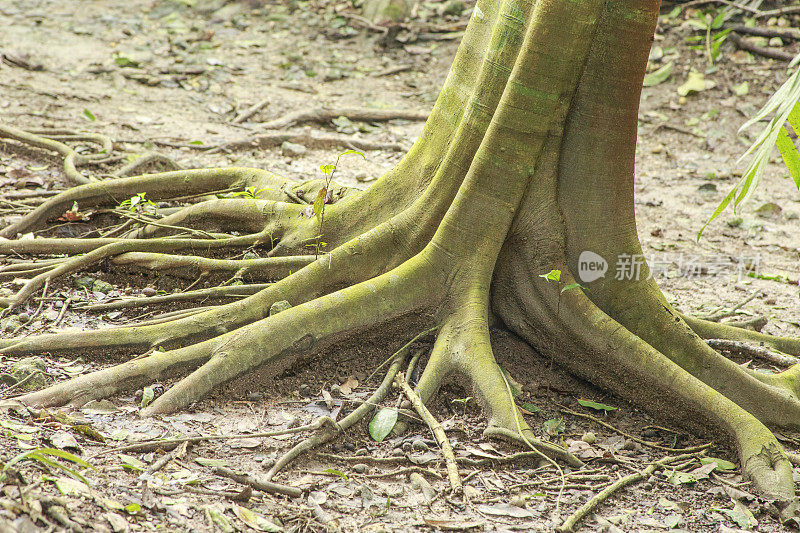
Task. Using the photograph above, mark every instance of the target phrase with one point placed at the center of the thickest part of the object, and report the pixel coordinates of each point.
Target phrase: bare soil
(154, 75)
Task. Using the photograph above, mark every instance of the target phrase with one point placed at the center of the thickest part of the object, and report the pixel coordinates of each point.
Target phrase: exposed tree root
(323, 115)
(634, 437)
(51, 140)
(752, 350)
(436, 428)
(211, 293)
(191, 267)
(714, 330)
(269, 140)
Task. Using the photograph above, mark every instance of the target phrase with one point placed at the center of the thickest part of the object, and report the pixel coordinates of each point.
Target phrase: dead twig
(753, 350)
(358, 414)
(250, 111)
(716, 317)
(178, 453)
(268, 140)
(568, 526)
(227, 291)
(770, 53)
(438, 433)
(692, 449)
(323, 115)
(170, 444)
(258, 483)
(783, 33)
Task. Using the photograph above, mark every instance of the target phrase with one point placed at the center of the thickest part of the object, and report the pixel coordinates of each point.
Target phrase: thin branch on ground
(250, 111)
(324, 115)
(257, 483)
(226, 291)
(716, 317)
(783, 33)
(747, 349)
(438, 433)
(270, 140)
(170, 444)
(634, 438)
(135, 166)
(572, 521)
(405, 471)
(770, 53)
(178, 453)
(351, 419)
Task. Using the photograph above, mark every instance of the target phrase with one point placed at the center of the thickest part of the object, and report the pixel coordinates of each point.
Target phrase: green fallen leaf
(681, 478)
(530, 407)
(123, 62)
(71, 487)
(658, 76)
(130, 462)
(596, 405)
(571, 286)
(218, 518)
(147, 396)
(88, 115)
(205, 461)
(741, 89)
(553, 275)
(255, 520)
(382, 423)
(722, 464)
(338, 473)
(554, 426)
(740, 515)
(695, 82)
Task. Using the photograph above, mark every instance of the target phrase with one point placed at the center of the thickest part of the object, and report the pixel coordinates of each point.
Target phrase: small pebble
(304, 390)
(23, 317)
(255, 397)
(290, 149)
(360, 468)
(149, 291)
(517, 500)
(589, 437)
(349, 446)
(419, 445)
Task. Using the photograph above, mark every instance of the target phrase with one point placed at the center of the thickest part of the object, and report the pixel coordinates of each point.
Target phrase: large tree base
(498, 191)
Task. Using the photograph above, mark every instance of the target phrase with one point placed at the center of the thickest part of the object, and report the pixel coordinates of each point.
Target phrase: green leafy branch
(324, 197)
(45, 456)
(784, 107)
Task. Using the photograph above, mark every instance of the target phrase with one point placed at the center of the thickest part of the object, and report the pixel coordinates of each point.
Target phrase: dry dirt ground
(165, 76)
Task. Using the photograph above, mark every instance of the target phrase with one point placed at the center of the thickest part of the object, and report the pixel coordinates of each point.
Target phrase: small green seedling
(324, 196)
(138, 203)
